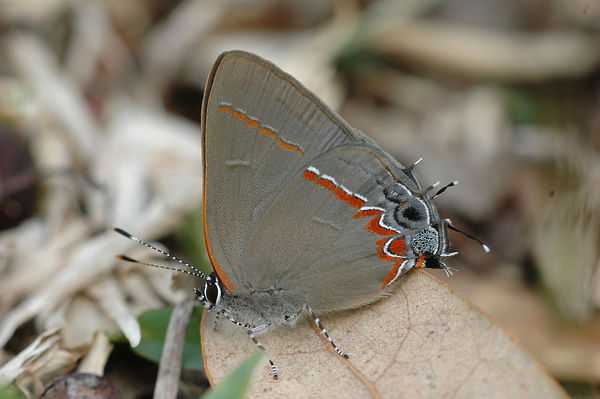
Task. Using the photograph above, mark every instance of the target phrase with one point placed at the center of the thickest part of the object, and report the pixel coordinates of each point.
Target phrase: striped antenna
(441, 190)
(128, 259)
(411, 167)
(428, 189)
(195, 271)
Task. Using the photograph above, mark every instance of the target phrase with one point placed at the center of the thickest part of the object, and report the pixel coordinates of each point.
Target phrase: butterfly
(303, 214)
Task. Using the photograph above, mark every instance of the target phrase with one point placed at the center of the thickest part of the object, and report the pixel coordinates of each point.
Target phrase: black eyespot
(402, 224)
(412, 213)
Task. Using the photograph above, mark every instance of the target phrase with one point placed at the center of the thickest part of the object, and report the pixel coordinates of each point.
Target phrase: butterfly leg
(252, 334)
(324, 332)
(294, 318)
(205, 302)
(234, 321)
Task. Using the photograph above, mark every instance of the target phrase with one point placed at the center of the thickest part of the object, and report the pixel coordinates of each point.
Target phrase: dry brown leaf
(570, 351)
(423, 341)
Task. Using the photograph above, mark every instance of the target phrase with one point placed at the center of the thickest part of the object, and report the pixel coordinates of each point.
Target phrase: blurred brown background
(99, 111)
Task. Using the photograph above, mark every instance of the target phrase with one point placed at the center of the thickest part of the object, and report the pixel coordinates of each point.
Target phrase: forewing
(260, 127)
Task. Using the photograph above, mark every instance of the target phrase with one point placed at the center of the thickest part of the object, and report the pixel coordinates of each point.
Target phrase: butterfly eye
(212, 292)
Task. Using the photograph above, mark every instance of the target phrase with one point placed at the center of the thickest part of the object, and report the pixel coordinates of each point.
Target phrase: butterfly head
(211, 294)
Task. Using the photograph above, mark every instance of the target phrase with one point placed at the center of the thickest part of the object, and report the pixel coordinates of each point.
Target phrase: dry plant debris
(503, 96)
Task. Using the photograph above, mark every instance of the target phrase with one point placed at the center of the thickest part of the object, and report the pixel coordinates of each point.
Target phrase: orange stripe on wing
(340, 192)
(311, 176)
(239, 115)
(382, 255)
(255, 123)
(252, 122)
(243, 117)
(326, 184)
(356, 202)
(349, 198)
(367, 213)
(342, 195)
(289, 147)
(398, 247)
(391, 274)
(374, 227)
(268, 132)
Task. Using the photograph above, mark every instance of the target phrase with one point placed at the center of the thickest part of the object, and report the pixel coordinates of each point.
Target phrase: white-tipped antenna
(441, 190)
(434, 185)
(195, 271)
(411, 167)
(451, 227)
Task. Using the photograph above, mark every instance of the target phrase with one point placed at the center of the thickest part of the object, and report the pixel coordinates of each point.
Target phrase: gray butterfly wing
(260, 127)
(319, 244)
